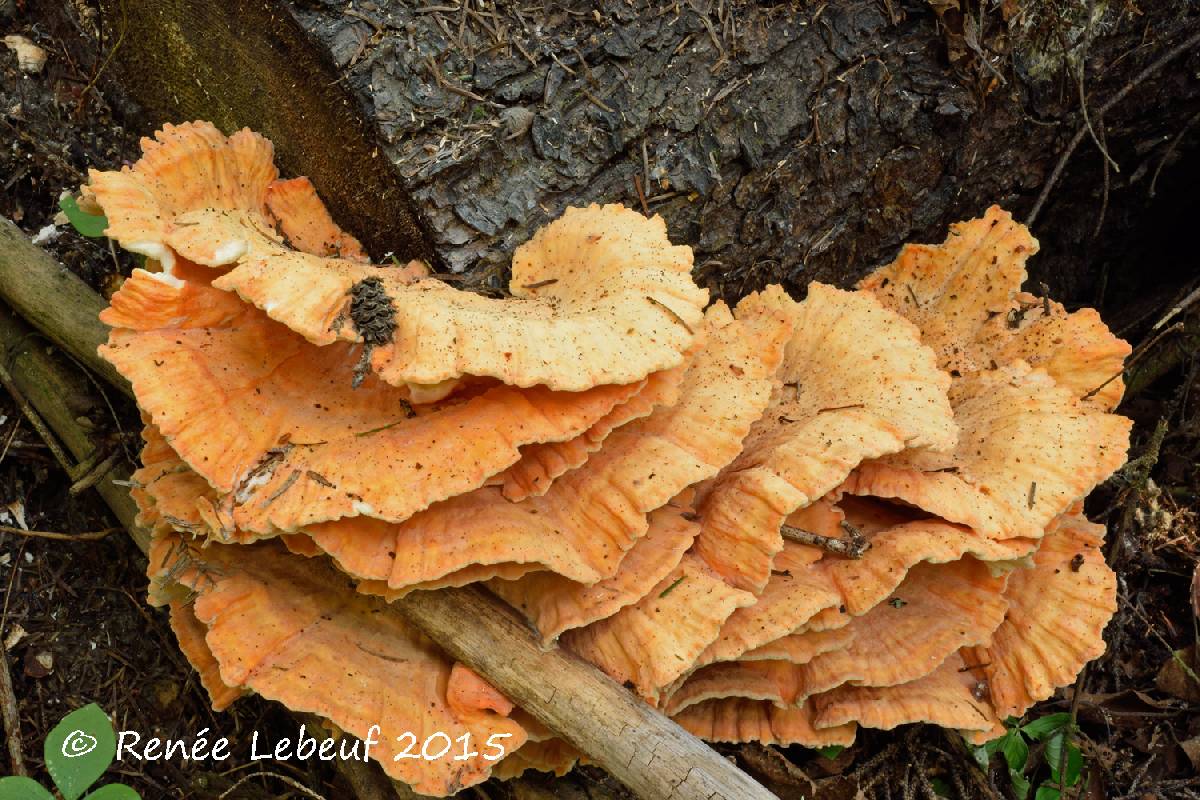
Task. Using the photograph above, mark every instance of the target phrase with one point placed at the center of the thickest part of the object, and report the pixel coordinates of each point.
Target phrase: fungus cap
(582, 527)
(555, 604)
(277, 426)
(858, 384)
(1056, 616)
(291, 630)
(1027, 450)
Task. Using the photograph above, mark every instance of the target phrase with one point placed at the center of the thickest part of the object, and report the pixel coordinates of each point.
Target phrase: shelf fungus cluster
(775, 522)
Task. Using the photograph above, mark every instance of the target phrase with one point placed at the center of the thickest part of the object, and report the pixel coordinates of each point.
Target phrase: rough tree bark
(790, 142)
(783, 141)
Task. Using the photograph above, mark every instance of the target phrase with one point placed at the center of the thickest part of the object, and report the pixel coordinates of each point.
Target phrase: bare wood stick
(853, 546)
(640, 747)
(10, 718)
(90, 536)
(54, 301)
(93, 474)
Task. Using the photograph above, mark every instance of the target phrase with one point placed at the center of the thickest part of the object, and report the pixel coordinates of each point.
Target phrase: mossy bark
(248, 63)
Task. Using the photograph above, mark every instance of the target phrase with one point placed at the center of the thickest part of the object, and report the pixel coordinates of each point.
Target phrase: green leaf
(1074, 764)
(1046, 793)
(20, 788)
(1020, 785)
(79, 749)
(831, 752)
(114, 791)
(1042, 727)
(91, 225)
(983, 755)
(1015, 750)
(941, 787)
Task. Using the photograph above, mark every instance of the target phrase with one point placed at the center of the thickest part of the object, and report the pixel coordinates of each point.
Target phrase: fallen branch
(642, 748)
(90, 536)
(10, 718)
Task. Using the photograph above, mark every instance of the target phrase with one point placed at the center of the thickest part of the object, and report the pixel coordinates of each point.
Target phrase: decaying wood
(643, 749)
(855, 545)
(53, 300)
(249, 64)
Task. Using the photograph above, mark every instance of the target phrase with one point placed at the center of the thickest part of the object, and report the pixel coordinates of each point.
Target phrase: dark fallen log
(643, 749)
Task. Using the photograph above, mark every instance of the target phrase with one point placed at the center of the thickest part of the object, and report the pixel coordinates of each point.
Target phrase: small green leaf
(941, 787)
(1046, 793)
(91, 225)
(20, 788)
(1074, 764)
(983, 755)
(1020, 785)
(831, 752)
(79, 749)
(1016, 751)
(114, 791)
(1042, 727)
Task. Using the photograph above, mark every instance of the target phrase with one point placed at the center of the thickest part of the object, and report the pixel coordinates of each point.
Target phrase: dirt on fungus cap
(950, 696)
(305, 223)
(1056, 616)
(1027, 449)
(965, 296)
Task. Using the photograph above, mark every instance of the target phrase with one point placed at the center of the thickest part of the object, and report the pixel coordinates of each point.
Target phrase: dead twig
(855, 545)
(1175, 52)
(292, 782)
(10, 717)
(8, 698)
(93, 475)
(35, 420)
(1138, 353)
(1187, 126)
(90, 536)
(637, 184)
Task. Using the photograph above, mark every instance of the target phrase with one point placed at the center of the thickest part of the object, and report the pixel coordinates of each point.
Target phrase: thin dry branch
(1186, 46)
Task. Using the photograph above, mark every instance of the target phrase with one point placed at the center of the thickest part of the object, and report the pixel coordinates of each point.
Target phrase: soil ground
(76, 629)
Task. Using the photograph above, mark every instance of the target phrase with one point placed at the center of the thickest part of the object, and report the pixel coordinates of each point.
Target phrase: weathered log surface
(54, 300)
(783, 141)
(643, 749)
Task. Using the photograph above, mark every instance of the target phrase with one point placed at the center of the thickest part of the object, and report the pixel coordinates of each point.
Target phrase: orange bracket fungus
(779, 522)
